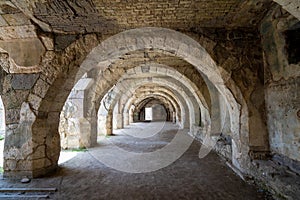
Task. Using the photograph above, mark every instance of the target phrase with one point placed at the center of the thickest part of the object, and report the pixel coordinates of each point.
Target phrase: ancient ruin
(226, 73)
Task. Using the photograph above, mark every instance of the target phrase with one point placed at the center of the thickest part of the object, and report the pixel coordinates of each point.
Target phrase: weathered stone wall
(21, 51)
(69, 127)
(59, 70)
(75, 128)
(158, 113)
(292, 6)
(20, 152)
(239, 54)
(19, 38)
(145, 92)
(282, 99)
(32, 110)
(267, 93)
(236, 51)
(282, 82)
(108, 16)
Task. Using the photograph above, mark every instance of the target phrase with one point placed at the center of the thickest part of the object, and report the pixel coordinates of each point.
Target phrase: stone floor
(188, 177)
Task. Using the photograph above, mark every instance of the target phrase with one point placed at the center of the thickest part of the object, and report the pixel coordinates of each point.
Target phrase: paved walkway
(188, 177)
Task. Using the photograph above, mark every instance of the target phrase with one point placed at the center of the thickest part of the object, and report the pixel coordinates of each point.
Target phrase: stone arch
(165, 70)
(179, 92)
(154, 101)
(38, 115)
(161, 93)
(108, 121)
(162, 70)
(139, 103)
(122, 92)
(164, 98)
(125, 109)
(191, 51)
(152, 68)
(161, 104)
(104, 126)
(59, 75)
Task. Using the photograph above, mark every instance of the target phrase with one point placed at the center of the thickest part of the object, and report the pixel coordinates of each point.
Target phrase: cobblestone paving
(84, 177)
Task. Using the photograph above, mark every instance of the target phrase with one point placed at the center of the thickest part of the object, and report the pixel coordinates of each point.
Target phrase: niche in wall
(292, 40)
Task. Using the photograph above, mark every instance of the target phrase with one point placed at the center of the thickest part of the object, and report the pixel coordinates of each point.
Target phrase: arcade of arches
(227, 71)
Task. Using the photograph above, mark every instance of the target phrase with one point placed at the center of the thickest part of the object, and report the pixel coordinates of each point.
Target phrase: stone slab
(24, 81)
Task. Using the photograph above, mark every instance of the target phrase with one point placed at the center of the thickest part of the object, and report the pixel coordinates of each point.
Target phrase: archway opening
(148, 114)
(191, 51)
(101, 57)
(73, 124)
(152, 110)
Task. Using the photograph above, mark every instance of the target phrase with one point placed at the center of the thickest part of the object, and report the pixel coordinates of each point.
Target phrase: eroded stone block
(23, 81)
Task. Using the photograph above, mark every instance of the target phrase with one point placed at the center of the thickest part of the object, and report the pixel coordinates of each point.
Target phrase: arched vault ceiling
(144, 91)
(131, 85)
(113, 16)
(136, 58)
(151, 89)
(154, 99)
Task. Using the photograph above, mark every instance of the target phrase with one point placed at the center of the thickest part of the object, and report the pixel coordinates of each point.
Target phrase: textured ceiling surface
(106, 16)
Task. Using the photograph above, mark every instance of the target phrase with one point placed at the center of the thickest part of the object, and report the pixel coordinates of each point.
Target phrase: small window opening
(292, 40)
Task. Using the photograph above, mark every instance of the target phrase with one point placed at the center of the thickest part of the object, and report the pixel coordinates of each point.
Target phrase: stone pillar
(18, 143)
(185, 119)
(94, 132)
(72, 123)
(131, 120)
(119, 118)
(131, 115)
(31, 146)
(174, 117)
(126, 119)
(109, 125)
(216, 112)
(78, 130)
(101, 121)
(32, 143)
(158, 113)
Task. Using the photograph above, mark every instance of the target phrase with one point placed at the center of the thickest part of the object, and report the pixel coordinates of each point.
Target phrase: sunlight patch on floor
(66, 155)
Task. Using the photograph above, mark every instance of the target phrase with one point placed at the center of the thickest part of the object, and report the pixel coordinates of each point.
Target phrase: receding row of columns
(41, 113)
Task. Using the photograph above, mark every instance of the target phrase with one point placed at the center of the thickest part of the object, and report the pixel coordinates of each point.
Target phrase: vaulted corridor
(132, 88)
(86, 177)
